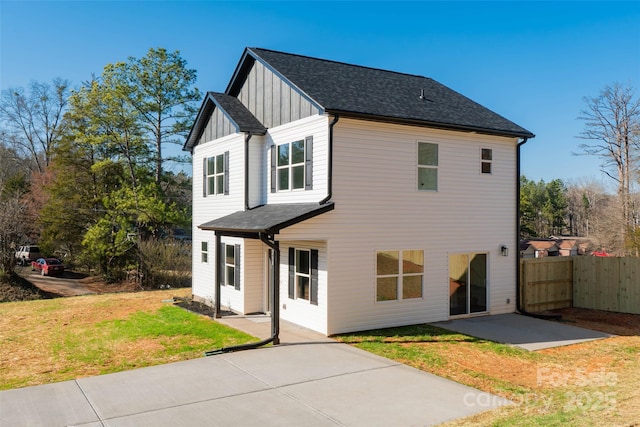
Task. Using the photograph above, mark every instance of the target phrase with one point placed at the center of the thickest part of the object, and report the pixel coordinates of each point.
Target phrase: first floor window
(427, 166)
(229, 265)
(399, 275)
(204, 252)
(303, 274)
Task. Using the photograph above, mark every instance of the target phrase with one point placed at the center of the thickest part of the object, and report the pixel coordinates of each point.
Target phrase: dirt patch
(598, 320)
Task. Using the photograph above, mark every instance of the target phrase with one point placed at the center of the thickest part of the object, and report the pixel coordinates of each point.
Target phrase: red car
(48, 266)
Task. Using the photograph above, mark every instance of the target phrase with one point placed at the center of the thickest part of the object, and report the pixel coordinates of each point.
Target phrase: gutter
(275, 302)
(247, 137)
(330, 162)
(519, 308)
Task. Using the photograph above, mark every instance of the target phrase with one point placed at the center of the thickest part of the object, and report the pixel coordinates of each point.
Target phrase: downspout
(247, 137)
(519, 306)
(330, 162)
(275, 302)
(218, 275)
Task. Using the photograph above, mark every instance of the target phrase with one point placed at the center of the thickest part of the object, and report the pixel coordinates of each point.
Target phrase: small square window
(486, 157)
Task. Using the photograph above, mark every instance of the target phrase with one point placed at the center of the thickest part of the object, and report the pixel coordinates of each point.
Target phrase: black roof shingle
(382, 95)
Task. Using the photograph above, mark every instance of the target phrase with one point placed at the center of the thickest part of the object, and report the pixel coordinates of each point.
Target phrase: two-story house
(346, 198)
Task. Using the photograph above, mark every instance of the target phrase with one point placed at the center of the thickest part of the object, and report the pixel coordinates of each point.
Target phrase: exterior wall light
(504, 250)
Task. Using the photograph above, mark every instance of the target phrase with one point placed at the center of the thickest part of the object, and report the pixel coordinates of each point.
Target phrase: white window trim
(399, 276)
(298, 275)
(291, 165)
(419, 166)
(215, 175)
(204, 252)
(228, 266)
(489, 161)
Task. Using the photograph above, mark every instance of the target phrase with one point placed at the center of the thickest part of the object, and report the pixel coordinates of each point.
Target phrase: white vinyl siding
(379, 206)
(317, 128)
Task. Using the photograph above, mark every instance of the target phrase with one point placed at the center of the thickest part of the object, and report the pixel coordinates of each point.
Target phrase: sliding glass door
(468, 281)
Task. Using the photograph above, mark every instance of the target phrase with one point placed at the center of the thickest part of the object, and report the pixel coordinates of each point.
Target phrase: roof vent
(422, 97)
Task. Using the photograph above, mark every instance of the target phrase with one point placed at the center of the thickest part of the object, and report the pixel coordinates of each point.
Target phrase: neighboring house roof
(269, 219)
(541, 245)
(567, 244)
(371, 94)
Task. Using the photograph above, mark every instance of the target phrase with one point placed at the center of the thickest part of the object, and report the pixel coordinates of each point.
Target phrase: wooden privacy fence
(546, 283)
(611, 284)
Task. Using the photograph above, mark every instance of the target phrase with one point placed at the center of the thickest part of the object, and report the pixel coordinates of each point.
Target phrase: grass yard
(60, 339)
(589, 384)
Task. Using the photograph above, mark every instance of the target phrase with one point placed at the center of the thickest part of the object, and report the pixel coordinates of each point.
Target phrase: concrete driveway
(308, 379)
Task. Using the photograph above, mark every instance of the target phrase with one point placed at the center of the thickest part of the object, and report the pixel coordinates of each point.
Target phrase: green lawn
(55, 340)
(590, 384)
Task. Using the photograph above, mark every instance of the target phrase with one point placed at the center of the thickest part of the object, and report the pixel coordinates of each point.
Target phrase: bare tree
(33, 118)
(12, 229)
(612, 124)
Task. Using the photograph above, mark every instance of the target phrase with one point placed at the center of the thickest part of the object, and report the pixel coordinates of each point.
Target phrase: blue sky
(532, 62)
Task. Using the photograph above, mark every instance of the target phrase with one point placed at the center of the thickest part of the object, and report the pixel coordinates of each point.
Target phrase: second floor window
(291, 165)
(486, 155)
(216, 175)
(427, 166)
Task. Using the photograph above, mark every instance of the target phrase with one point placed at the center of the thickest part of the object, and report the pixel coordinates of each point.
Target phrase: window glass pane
(231, 276)
(302, 262)
(487, 154)
(427, 154)
(204, 246)
(283, 179)
(303, 287)
(411, 287)
(387, 289)
(211, 185)
(230, 254)
(298, 176)
(220, 164)
(219, 184)
(427, 179)
(486, 167)
(297, 152)
(412, 262)
(211, 166)
(205, 257)
(387, 262)
(283, 155)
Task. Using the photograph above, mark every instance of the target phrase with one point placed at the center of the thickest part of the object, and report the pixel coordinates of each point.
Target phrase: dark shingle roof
(381, 95)
(235, 111)
(268, 219)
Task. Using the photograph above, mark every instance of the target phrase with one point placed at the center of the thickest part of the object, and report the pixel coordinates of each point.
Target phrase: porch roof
(269, 219)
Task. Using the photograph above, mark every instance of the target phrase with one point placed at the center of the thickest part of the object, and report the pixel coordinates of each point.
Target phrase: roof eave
(430, 124)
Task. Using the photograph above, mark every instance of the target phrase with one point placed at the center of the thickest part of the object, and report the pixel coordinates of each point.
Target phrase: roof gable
(237, 114)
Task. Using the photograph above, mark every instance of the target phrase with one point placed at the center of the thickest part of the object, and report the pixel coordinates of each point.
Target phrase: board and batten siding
(271, 100)
(218, 127)
(378, 207)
